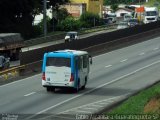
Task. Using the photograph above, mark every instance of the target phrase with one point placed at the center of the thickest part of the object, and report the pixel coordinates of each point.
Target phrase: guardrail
(44, 39)
(62, 35)
(11, 72)
(98, 28)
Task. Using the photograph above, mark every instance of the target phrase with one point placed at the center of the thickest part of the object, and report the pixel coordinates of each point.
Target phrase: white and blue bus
(66, 68)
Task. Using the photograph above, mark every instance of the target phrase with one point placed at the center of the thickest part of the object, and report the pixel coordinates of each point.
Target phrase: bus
(66, 69)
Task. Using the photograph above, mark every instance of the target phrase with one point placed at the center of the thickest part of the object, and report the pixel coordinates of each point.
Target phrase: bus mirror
(90, 59)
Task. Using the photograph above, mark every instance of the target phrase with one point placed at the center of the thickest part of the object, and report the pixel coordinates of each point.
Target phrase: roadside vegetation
(69, 23)
(153, 3)
(145, 102)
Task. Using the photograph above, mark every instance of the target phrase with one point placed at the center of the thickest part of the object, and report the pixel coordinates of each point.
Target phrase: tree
(18, 15)
(111, 2)
(62, 14)
(90, 20)
(69, 24)
(114, 7)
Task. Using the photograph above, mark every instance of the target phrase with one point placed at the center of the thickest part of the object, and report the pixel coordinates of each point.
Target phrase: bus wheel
(53, 89)
(48, 89)
(84, 86)
(77, 88)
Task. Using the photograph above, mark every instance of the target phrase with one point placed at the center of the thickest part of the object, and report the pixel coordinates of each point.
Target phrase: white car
(72, 35)
(122, 25)
(127, 17)
(111, 18)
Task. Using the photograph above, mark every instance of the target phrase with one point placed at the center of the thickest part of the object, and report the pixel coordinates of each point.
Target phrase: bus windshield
(151, 13)
(58, 62)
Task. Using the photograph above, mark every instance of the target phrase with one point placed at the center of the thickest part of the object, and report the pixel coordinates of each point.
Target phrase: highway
(113, 77)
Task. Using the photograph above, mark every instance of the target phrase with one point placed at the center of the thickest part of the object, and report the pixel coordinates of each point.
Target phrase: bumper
(57, 85)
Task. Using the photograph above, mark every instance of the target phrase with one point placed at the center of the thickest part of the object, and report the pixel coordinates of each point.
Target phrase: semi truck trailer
(10, 45)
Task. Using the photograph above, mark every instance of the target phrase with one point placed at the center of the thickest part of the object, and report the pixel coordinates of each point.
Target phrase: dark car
(133, 22)
(4, 62)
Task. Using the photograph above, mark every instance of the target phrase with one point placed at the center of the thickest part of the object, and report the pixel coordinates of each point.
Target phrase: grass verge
(145, 102)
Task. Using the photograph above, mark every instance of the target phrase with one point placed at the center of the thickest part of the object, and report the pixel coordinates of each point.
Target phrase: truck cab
(151, 14)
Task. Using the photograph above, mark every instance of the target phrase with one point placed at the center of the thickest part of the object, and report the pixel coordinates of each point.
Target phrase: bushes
(69, 24)
(90, 20)
(86, 20)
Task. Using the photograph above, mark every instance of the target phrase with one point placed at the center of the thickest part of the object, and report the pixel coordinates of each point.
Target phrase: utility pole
(44, 17)
(140, 11)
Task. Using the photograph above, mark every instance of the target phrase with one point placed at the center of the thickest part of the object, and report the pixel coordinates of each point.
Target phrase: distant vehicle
(10, 45)
(133, 22)
(111, 18)
(4, 62)
(66, 68)
(127, 17)
(70, 36)
(147, 14)
(151, 14)
(123, 25)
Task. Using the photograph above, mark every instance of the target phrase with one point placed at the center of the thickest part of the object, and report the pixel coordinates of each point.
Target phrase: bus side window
(79, 63)
(85, 61)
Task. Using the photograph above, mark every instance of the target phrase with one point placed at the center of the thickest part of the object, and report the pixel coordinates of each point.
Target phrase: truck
(146, 14)
(151, 14)
(10, 45)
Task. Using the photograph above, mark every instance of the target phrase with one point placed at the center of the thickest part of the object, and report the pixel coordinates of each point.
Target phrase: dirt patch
(153, 106)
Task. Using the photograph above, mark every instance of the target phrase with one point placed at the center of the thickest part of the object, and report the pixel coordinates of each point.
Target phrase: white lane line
(100, 86)
(81, 111)
(96, 105)
(29, 94)
(108, 66)
(88, 108)
(124, 60)
(19, 80)
(102, 103)
(89, 105)
(156, 48)
(142, 53)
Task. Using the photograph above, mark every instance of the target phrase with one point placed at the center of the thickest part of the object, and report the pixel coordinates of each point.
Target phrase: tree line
(18, 15)
(112, 2)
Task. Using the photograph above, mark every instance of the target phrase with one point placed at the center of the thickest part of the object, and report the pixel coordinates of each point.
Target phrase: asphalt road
(113, 76)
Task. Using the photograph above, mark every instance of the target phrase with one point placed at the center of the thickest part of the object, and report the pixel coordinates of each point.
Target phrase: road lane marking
(89, 105)
(100, 86)
(82, 111)
(124, 60)
(142, 53)
(102, 103)
(19, 81)
(108, 66)
(29, 94)
(156, 48)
